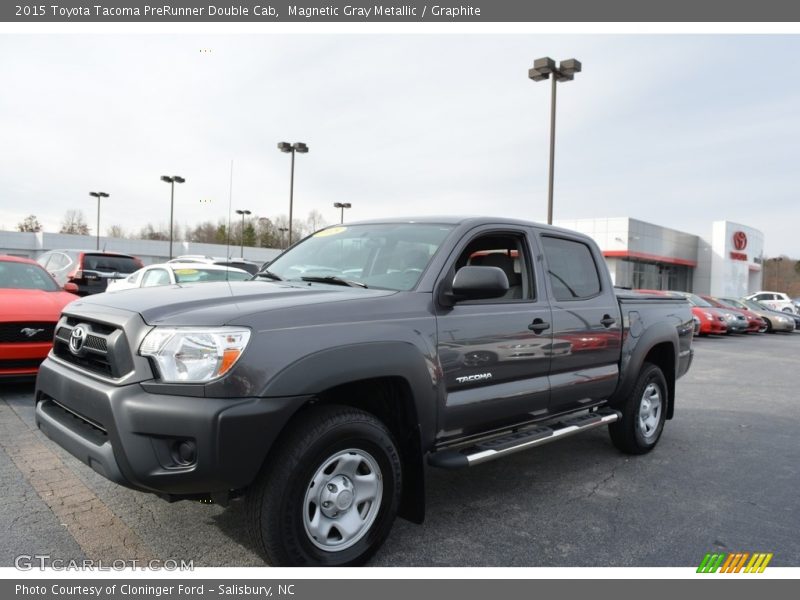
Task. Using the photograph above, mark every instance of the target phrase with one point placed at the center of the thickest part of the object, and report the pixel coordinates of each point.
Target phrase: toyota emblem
(740, 240)
(77, 339)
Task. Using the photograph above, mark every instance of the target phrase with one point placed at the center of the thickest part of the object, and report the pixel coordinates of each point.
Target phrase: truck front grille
(98, 353)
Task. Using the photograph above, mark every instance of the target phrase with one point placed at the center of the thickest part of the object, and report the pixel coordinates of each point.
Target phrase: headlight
(187, 355)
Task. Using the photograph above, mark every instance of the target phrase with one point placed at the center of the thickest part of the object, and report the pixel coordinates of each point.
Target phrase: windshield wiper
(334, 280)
(269, 275)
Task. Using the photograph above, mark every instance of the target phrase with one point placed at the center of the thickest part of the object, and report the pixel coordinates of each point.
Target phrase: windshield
(730, 303)
(696, 300)
(25, 276)
(385, 256)
(755, 305)
(199, 274)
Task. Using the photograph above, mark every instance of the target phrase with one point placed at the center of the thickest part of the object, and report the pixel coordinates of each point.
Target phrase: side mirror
(70, 287)
(478, 283)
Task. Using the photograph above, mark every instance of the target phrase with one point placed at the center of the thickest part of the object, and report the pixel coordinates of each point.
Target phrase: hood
(217, 303)
(32, 305)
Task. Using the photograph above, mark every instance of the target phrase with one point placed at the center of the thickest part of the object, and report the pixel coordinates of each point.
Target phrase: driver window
(506, 252)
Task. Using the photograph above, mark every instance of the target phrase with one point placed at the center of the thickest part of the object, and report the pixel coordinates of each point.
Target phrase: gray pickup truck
(322, 389)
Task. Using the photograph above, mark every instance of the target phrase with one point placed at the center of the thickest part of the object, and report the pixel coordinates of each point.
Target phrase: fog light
(185, 452)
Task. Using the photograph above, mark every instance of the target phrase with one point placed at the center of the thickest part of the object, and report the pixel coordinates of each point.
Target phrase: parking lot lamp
(342, 205)
(98, 195)
(244, 213)
(777, 262)
(292, 148)
(282, 230)
(171, 181)
(542, 69)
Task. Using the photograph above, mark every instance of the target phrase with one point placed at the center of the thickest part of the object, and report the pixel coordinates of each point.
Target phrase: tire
(633, 435)
(769, 326)
(326, 453)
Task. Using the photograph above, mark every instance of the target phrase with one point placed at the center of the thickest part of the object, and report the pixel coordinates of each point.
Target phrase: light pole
(342, 205)
(293, 148)
(244, 213)
(171, 181)
(542, 69)
(777, 262)
(283, 230)
(98, 195)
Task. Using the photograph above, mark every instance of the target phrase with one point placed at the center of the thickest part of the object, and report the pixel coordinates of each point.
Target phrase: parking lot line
(98, 531)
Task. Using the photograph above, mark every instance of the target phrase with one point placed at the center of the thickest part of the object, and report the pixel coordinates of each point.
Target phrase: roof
(473, 220)
(86, 251)
(196, 265)
(19, 259)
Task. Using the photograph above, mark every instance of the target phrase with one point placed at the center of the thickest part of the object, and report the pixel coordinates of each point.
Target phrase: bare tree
(29, 224)
(315, 221)
(149, 232)
(74, 223)
(116, 231)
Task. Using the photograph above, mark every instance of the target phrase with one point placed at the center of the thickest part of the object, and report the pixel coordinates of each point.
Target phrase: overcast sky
(675, 130)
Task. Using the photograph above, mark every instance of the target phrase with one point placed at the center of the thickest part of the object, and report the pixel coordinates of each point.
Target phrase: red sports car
(711, 321)
(30, 305)
(755, 324)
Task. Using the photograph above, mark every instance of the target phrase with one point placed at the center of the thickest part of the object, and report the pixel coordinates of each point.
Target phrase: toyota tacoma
(322, 390)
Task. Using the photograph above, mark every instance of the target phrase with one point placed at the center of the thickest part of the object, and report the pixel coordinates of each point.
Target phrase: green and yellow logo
(734, 562)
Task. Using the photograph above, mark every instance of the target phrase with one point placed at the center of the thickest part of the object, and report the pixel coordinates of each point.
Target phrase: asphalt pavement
(724, 477)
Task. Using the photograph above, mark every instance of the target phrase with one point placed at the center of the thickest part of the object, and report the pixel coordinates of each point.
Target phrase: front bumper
(785, 326)
(22, 359)
(132, 436)
(737, 326)
(713, 327)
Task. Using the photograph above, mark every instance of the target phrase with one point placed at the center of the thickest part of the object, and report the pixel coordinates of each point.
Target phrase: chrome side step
(520, 440)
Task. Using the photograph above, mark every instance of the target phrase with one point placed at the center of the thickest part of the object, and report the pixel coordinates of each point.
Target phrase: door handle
(538, 326)
(607, 321)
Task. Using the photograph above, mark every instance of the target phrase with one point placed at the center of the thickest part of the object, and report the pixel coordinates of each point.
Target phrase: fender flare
(634, 352)
(329, 368)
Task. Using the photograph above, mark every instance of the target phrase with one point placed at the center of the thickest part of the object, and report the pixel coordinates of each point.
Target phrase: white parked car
(172, 273)
(238, 263)
(774, 300)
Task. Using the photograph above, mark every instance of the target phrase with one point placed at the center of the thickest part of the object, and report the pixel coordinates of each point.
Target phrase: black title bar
(409, 11)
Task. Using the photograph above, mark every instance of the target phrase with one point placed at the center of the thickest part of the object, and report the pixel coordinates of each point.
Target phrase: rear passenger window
(571, 268)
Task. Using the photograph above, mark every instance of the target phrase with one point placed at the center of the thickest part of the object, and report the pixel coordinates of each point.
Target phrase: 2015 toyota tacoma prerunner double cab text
(320, 391)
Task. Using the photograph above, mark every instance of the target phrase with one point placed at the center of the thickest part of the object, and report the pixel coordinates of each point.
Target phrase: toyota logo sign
(76, 339)
(740, 240)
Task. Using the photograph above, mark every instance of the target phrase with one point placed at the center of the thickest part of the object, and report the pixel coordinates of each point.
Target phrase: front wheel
(330, 493)
(643, 414)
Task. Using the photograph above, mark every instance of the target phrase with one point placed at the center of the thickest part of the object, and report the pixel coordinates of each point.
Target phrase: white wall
(731, 277)
(31, 245)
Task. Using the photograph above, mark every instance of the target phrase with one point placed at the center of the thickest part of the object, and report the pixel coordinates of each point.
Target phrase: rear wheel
(330, 493)
(643, 414)
(769, 326)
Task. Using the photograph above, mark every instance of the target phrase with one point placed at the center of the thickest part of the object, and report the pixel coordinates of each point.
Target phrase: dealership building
(648, 256)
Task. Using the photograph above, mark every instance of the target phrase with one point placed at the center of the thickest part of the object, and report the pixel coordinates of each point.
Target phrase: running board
(520, 440)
